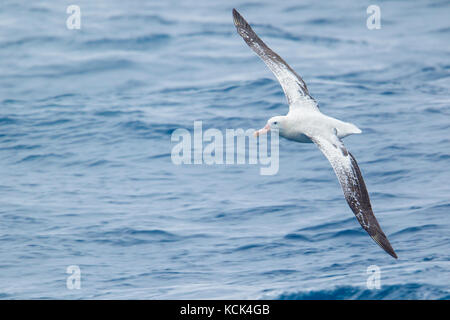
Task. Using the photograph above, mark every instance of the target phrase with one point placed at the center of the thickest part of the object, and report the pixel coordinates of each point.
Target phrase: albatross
(305, 123)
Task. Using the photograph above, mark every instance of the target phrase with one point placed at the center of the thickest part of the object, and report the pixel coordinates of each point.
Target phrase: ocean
(93, 207)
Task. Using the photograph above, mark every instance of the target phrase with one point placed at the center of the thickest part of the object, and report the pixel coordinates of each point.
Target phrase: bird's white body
(300, 124)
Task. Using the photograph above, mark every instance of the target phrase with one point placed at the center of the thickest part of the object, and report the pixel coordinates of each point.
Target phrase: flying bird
(305, 123)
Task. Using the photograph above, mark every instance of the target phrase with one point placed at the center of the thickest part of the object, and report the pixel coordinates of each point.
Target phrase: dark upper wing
(293, 85)
(351, 180)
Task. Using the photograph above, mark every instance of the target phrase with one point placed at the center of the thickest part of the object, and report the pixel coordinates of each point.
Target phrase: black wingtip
(384, 243)
(236, 17)
(238, 20)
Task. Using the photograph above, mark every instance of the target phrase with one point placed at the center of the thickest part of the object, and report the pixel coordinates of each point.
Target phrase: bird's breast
(297, 136)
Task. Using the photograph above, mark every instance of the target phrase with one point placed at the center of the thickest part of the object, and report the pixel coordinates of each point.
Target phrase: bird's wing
(293, 85)
(352, 183)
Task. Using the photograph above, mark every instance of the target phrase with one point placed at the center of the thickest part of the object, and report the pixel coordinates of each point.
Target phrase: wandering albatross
(305, 123)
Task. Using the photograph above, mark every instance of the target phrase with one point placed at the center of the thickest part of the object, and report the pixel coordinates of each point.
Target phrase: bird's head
(274, 123)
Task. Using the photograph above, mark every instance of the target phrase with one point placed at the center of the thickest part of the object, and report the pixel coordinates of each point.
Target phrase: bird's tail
(346, 128)
(352, 129)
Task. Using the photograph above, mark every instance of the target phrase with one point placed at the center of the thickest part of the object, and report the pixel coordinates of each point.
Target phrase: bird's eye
(275, 122)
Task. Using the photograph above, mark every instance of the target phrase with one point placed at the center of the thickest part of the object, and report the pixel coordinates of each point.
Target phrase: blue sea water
(86, 176)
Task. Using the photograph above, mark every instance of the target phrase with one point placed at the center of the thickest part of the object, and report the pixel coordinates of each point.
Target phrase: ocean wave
(135, 43)
(389, 292)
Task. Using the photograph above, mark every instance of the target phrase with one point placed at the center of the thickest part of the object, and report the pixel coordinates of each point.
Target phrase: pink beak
(262, 131)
